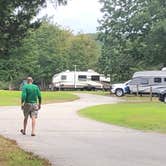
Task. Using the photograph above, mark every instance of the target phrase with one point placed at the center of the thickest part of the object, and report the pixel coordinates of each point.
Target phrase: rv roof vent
(67, 70)
(163, 69)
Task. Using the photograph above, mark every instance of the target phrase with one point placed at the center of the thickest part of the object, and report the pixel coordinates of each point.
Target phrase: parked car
(120, 89)
(162, 96)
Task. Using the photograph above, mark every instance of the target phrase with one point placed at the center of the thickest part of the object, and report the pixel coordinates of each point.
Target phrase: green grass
(12, 155)
(143, 116)
(11, 98)
(145, 98)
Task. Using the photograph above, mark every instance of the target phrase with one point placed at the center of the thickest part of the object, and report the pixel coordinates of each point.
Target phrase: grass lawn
(143, 116)
(12, 155)
(11, 98)
(145, 98)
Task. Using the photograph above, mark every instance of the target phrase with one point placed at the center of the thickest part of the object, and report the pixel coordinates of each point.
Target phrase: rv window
(82, 77)
(63, 77)
(157, 79)
(164, 79)
(144, 81)
(95, 78)
(139, 81)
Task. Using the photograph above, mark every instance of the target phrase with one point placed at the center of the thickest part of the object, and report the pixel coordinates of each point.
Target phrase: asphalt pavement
(66, 139)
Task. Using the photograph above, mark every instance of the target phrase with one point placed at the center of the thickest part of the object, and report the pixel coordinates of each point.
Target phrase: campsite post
(151, 94)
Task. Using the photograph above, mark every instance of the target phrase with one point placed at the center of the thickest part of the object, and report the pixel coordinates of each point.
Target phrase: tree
(53, 44)
(84, 52)
(130, 30)
(49, 50)
(15, 19)
(43, 53)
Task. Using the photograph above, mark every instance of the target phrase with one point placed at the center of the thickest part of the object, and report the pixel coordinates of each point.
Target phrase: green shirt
(30, 94)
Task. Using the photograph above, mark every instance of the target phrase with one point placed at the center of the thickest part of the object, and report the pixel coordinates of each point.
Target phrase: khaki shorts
(30, 109)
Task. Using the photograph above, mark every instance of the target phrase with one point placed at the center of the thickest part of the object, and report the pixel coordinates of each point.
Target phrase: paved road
(69, 140)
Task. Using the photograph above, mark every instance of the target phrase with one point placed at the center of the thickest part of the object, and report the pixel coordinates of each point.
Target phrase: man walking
(30, 104)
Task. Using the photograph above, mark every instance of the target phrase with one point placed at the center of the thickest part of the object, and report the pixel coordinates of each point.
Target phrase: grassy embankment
(10, 98)
(133, 112)
(12, 155)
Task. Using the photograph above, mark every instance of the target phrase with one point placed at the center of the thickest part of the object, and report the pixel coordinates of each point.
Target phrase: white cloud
(78, 15)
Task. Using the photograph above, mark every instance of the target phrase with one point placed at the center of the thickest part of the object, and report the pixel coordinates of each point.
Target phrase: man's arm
(39, 97)
(23, 97)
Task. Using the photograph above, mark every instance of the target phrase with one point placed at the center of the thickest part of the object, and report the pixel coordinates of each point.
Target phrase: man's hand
(39, 106)
(22, 106)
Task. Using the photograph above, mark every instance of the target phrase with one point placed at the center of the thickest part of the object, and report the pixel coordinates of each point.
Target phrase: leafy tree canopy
(46, 51)
(16, 18)
(133, 35)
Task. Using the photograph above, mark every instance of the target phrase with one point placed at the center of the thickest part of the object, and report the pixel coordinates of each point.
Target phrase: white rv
(143, 81)
(87, 80)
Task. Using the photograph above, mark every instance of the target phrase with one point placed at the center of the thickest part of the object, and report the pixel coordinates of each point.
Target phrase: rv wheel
(119, 92)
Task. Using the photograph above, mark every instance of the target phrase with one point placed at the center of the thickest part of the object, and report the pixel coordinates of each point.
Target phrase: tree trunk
(10, 85)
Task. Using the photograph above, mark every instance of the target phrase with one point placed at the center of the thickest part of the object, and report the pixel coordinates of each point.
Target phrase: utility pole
(75, 69)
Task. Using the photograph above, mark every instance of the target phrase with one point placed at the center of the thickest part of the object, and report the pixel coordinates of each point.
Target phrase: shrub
(4, 85)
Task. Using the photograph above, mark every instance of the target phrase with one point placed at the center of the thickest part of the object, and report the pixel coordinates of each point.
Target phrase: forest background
(131, 37)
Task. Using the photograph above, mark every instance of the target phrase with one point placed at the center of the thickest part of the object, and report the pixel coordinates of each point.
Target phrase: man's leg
(25, 123)
(33, 115)
(26, 114)
(23, 131)
(33, 125)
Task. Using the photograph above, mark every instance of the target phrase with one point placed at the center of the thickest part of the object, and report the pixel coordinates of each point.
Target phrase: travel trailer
(87, 80)
(147, 81)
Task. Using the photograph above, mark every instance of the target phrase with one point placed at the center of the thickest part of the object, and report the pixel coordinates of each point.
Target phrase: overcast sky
(78, 15)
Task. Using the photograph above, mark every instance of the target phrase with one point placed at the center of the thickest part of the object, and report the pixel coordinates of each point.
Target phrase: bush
(4, 85)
